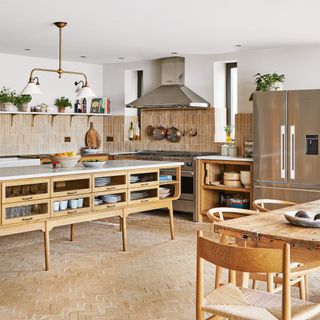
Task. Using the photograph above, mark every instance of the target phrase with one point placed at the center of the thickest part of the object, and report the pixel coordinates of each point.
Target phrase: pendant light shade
(85, 92)
(31, 88)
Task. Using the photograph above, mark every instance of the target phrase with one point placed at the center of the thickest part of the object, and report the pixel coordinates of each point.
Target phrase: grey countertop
(30, 172)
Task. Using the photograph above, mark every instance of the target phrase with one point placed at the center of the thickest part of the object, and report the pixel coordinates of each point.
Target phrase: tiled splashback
(44, 135)
(243, 130)
(200, 121)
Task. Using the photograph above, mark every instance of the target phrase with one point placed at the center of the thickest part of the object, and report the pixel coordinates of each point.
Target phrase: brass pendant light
(33, 84)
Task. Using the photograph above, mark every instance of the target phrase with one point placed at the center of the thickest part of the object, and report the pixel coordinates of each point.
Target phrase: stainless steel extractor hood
(172, 92)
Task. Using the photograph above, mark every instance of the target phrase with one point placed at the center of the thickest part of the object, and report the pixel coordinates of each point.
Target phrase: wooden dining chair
(232, 302)
(272, 281)
(260, 204)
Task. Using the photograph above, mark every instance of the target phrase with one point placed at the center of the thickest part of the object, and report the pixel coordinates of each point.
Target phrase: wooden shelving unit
(208, 194)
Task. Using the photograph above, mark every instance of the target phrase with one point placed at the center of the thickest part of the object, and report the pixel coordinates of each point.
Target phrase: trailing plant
(266, 81)
(7, 95)
(63, 103)
(22, 99)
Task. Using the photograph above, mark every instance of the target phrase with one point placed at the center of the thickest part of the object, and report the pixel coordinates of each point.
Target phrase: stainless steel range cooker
(188, 199)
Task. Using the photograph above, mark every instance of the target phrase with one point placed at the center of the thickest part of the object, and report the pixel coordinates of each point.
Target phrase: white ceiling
(104, 30)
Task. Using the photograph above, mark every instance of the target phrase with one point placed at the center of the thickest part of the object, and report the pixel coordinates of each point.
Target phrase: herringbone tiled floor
(91, 278)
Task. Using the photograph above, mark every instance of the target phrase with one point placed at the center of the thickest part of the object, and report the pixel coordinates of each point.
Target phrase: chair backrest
(243, 259)
(259, 204)
(220, 213)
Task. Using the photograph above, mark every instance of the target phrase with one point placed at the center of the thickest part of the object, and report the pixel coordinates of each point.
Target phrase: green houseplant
(268, 82)
(7, 99)
(62, 103)
(22, 102)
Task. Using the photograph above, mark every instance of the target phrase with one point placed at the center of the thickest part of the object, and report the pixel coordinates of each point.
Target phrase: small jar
(233, 151)
(225, 150)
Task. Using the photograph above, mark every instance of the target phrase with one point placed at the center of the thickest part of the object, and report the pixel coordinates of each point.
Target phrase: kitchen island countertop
(224, 158)
(30, 172)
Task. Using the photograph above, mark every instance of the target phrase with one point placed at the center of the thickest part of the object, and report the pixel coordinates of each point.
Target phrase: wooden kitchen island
(29, 195)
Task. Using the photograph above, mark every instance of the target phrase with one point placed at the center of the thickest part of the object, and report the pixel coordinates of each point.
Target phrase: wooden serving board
(92, 139)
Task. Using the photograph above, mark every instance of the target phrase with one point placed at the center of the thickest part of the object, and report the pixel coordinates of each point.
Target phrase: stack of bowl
(232, 179)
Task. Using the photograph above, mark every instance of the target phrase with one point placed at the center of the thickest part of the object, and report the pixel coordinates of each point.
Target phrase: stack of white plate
(102, 181)
(111, 198)
(164, 192)
(134, 179)
(97, 201)
(138, 195)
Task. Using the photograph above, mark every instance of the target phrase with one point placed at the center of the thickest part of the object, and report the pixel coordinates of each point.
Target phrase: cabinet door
(143, 178)
(143, 195)
(25, 211)
(109, 181)
(110, 200)
(25, 190)
(70, 185)
(73, 205)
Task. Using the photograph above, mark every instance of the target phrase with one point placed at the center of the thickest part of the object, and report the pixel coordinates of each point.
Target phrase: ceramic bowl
(91, 164)
(67, 162)
(245, 178)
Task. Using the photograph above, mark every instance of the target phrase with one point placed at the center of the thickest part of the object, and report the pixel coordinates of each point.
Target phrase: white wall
(114, 81)
(15, 70)
(299, 64)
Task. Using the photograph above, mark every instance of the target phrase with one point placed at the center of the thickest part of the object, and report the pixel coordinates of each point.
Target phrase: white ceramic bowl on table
(93, 164)
(67, 162)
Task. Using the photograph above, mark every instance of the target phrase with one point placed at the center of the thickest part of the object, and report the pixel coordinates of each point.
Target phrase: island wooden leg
(123, 225)
(171, 221)
(71, 232)
(47, 249)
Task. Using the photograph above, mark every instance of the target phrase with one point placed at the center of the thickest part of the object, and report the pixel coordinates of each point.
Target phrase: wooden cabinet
(25, 190)
(143, 178)
(74, 205)
(110, 200)
(70, 185)
(27, 211)
(212, 194)
(110, 181)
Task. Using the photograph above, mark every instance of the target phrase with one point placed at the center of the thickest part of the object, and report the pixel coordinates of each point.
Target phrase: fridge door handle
(282, 151)
(292, 152)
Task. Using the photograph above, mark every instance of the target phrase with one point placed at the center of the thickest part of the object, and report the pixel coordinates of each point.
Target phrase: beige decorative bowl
(67, 162)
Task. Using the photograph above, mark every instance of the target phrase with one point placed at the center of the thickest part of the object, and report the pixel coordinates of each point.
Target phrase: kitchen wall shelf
(226, 188)
(53, 115)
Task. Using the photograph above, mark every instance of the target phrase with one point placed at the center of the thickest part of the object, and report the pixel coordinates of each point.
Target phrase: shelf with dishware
(224, 183)
(45, 200)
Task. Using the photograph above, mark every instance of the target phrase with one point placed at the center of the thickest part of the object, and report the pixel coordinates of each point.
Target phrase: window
(231, 93)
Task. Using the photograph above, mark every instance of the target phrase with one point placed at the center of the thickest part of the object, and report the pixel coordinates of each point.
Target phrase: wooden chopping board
(93, 139)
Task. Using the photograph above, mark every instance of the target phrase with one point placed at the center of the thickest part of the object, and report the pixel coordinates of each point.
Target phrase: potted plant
(228, 131)
(22, 102)
(268, 82)
(62, 103)
(7, 99)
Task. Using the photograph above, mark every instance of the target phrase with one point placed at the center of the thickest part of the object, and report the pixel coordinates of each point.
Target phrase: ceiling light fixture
(33, 84)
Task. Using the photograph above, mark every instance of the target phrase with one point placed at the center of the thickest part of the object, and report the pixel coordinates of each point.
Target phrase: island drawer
(70, 185)
(110, 200)
(143, 178)
(109, 181)
(28, 211)
(143, 195)
(25, 190)
(64, 206)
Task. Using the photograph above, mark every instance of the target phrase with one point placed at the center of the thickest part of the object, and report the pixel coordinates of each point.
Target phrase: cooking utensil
(150, 131)
(93, 139)
(159, 133)
(173, 134)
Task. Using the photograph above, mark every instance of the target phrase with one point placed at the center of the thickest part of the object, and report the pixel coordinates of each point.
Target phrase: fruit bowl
(302, 222)
(67, 161)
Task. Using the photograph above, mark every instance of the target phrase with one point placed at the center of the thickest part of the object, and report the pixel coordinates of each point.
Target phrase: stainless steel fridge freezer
(286, 151)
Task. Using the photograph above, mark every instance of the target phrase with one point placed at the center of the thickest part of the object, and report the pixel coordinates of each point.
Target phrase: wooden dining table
(271, 229)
